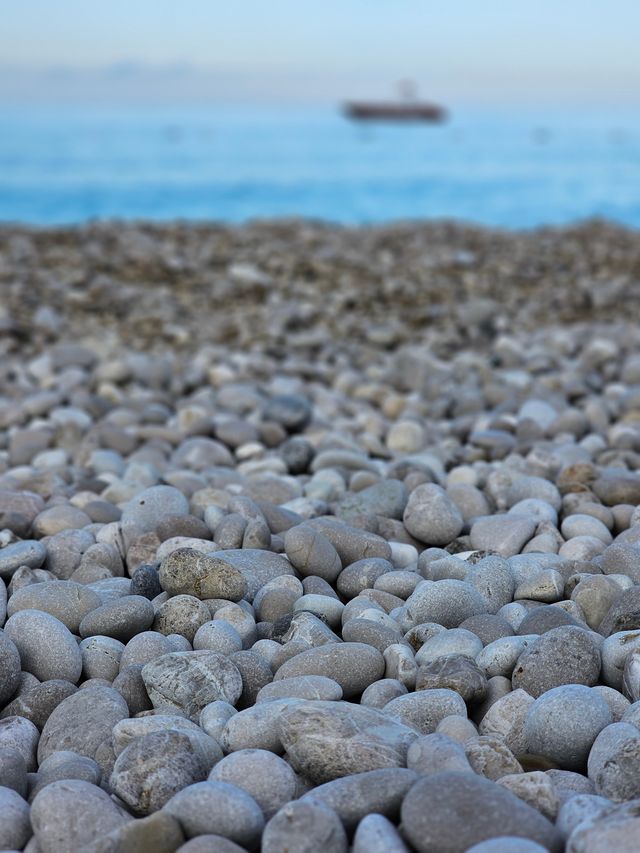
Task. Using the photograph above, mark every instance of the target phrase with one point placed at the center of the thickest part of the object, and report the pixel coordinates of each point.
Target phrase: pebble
(327, 740)
(187, 572)
(354, 666)
(563, 723)
(264, 776)
(15, 823)
(190, 680)
(304, 826)
(376, 834)
(431, 516)
(47, 648)
(564, 655)
(452, 797)
(121, 619)
(67, 600)
(71, 813)
(29, 553)
(613, 762)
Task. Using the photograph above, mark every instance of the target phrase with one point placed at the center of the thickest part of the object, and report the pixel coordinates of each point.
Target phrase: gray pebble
(46, 646)
(101, 657)
(301, 687)
(563, 724)
(446, 602)
(15, 824)
(306, 827)
(10, 668)
(357, 795)
(82, 722)
(182, 614)
(431, 516)
(453, 798)
(68, 814)
(264, 776)
(353, 665)
(67, 600)
(565, 655)
(191, 680)
(315, 736)
(376, 834)
(188, 572)
(152, 768)
(121, 619)
(217, 808)
(424, 710)
(613, 762)
(29, 553)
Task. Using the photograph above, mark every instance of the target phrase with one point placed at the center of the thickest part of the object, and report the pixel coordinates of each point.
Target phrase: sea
(511, 167)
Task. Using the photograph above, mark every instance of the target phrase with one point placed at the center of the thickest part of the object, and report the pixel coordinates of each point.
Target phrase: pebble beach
(316, 537)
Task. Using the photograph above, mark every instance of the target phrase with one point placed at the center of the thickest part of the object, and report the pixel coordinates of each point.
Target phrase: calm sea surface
(507, 168)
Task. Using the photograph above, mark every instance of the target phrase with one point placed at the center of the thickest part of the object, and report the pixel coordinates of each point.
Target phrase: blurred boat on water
(407, 109)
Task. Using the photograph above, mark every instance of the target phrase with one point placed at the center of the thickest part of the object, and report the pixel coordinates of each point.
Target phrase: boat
(406, 109)
(392, 111)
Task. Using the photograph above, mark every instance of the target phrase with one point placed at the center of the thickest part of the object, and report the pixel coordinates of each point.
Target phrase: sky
(582, 51)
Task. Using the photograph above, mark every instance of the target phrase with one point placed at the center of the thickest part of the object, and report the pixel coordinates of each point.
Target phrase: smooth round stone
(145, 581)
(311, 553)
(255, 673)
(131, 687)
(500, 657)
(562, 724)
(489, 757)
(615, 650)
(494, 579)
(208, 844)
(188, 572)
(424, 710)
(13, 770)
(617, 703)
(325, 607)
(579, 524)
(121, 619)
(66, 765)
(459, 729)
(327, 740)
(436, 752)
(29, 552)
(487, 627)
(46, 646)
(504, 534)
(264, 776)
(376, 834)
(191, 680)
(537, 509)
(615, 829)
(145, 647)
(257, 566)
(355, 796)
(67, 600)
(354, 666)
(217, 808)
(361, 575)
(465, 809)
(68, 814)
(58, 518)
(144, 512)
(431, 516)
(505, 719)
(445, 602)
(454, 641)
(182, 614)
(101, 657)
(82, 721)
(565, 655)
(152, 768)
(301, 687)
(613, 762)
(15, 825)
(21, 735)
(252, 728)
(217, 637)
(624, 613)
(292, 411)
(580, 807)
(454, 672)
(306, 827)
(10, 668)
(297, 453)
(380, 692)
(351, 543)
(38, 701)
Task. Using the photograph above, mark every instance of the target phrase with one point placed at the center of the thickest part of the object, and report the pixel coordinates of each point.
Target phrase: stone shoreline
(319, 538)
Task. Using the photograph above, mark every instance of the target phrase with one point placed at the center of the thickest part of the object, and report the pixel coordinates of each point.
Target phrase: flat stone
(327, 740)
(464, 809)
(121, 619)
(354, 666)
(29, 553)
(191, 680)
(188, 572)
(504, 534)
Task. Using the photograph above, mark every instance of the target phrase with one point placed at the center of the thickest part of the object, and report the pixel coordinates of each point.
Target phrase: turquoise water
(506, 168)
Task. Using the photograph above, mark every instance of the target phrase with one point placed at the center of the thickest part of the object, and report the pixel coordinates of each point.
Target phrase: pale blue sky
(484, 50)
